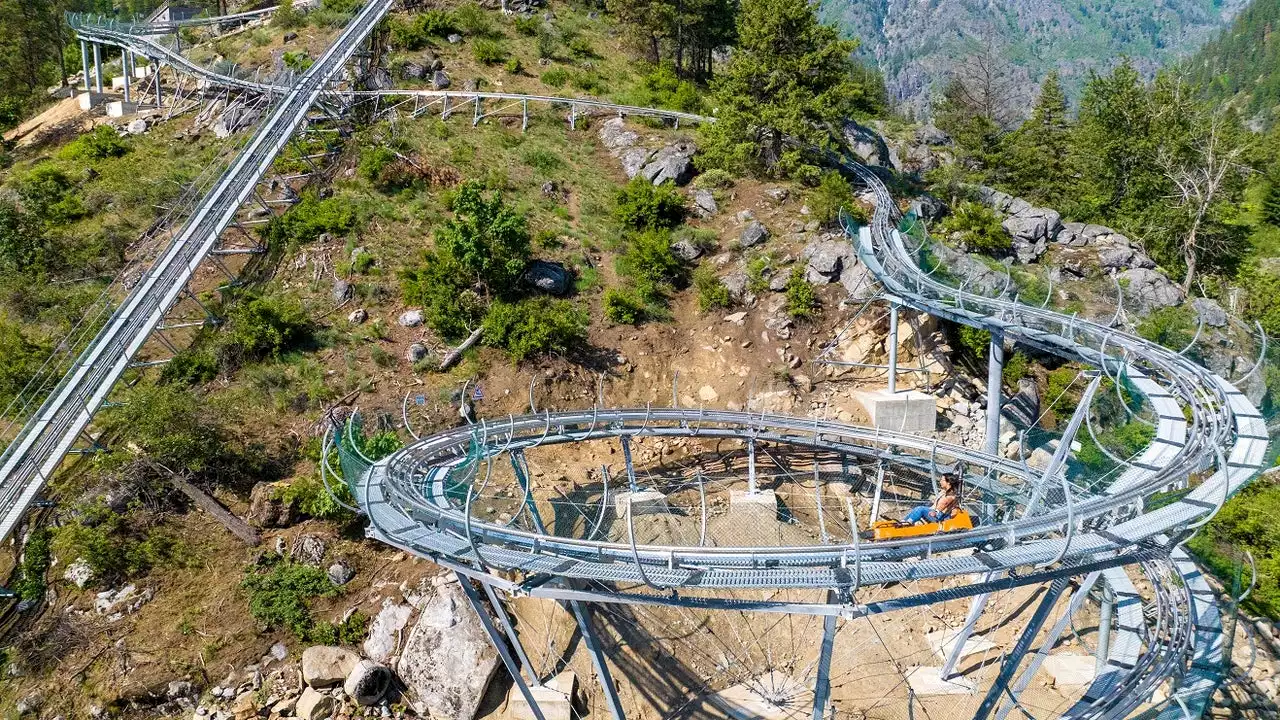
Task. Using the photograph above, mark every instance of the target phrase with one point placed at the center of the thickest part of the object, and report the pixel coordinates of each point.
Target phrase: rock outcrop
(448, 661)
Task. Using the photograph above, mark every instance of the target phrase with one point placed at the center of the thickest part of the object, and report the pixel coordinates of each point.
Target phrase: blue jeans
(924, 513)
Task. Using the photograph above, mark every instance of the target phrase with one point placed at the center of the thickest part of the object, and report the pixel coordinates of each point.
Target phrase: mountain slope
(1242, 64)
(915, 42)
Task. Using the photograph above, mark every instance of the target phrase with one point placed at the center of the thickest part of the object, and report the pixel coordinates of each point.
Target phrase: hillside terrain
(1242, 64)
(916, 43)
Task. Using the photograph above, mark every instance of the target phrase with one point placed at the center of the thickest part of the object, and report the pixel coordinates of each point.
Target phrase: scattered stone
(454, 38)
(686, 250)
(136, 127)
(268, 508)
(440, 80)
(313, 705)
(1210, 312)
(737, 318)
(78, 573)
(549, 277)
(416, 353)
(340, 572)
(124, 600)
(326, 665)
(744, 216)
(29, 703)
(290, 36)
(308, 549)
(930, 135)
(411, 318)
(358, 316)
(708, 394)
(471, 85)
(278, 651)
(736, 283)
(777, 195)
(367, 683)
(413, 71)
(448, 660)
(754, 234)
(672, 163)
(704, 203)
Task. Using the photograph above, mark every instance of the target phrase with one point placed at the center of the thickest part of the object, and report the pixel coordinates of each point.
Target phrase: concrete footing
(642, 502)
(91, 100)
(909, 411)
(143, 71)
(928, 681)
(943, 641)
(1071, 670)
(120, 108)
(555, 699)
(772, 696)
(117, 82)
(762, 500)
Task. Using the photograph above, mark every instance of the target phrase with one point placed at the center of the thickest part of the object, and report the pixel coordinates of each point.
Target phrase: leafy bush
(36, 556)
(802, 301)
(975, 341)
(555, 77)
(714, 178)
(711, 292)
(1247, 522)
(535, 326)
(416, 33)
(20, 359)
(286, 16)
(387, 171)
(115, 546)
(450, 306)
(309, 495)
(527, 27)
(542, 160)
(978, 228)
(514, 66)
(310, 218)
(661, 87)
(50, 195)
(832, 193)
(280, 597)
(297, 61)
(547, 45)
(103, 142)
(641, 206)
(580, 48)
(1016, 368)
(265, 326)
(23, 247)
(623, 306)
(489, 52)
(1262, 285)
(471, 19)
(192, 366)
(380, 444)
(171, 426)
(651, 265)
(1172, 327)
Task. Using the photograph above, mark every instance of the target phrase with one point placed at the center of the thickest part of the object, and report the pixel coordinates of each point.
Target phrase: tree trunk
(1189, 256)
(454, 355)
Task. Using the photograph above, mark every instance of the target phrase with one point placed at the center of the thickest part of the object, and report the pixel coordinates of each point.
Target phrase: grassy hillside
(1242, 65)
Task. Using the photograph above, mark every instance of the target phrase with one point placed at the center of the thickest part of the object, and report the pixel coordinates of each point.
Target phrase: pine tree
(1271, 200)
(1038, 157)
(787, 83)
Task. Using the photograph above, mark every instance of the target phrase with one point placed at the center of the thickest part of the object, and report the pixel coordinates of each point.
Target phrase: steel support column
(893, 348)
(751, 465)
(84, 62)
(97, 66)
(822, 686)
(1001, 685)
(995, 371)
(510, 629)
(1105, 613)
(125, 66)
(976, 606)
(499, 644)
(626, 457)
(582, 613)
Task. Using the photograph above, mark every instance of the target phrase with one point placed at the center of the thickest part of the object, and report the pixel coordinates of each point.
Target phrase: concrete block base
(555, 699)
(642, 502)
(928, 681)
(117, 82)
(143, 71)
(746, 500)
(1070, 670)
(120, 108)
(772, 696)
(943, 641)
(909, 411)
(91, 100)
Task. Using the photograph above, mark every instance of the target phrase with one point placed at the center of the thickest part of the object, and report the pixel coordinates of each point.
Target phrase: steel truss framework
(1056, 530)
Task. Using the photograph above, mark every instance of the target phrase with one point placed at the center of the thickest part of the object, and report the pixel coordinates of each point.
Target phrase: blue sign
(478, 394)
(420, 400)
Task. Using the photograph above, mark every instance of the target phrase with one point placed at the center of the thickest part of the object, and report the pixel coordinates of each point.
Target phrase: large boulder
(753, 234)
(981, 278)
(367, 683)
(672, 163)
(1146, 290)
(704, 203)
(308, 550)
(235, 118)
(313, 705)
(826, 259)
(1210, 313)
(267, 507)
(413, 71)
(448, 660)
(440, 80)
(549, 277)
(1116, 252)
(634, 160)
(384, 632)
(615, 136)
(857, 280)
(326, 665)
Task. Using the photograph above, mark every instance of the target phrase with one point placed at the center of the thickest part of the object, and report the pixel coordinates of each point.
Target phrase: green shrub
(662, 87)
(978, 227)
(623, 306)
(832, 193)
(280, 597)
(580, 48)
(547, 45)
(286, 16)
(264, 327)
(36, 557)
(192, 366)
(527, 27)
(49, 195)
(802, 301)
(712, 293)
(1247, 522)
(115, 546)
(471, 19)
(542, 160)
(757, 266)
(380, 444)
(385, 170)
(555, 77)
(588, 82)
(514, 66)
(450, 306)
(20, 360)
(1172, 327)
(649, 262)
(489, 52)
(640, 206)
(714, 178)
(101, 143)
(416, 33)
(348, 632)
(535, 326)
(310, 218)
(1016, 368)
(309, 495)
(975, 341)
(170, 426)
(298, 61)
(23, 246)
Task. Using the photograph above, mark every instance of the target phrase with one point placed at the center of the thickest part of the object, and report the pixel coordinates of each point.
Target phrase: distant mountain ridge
(1242, 64)
(915, 42)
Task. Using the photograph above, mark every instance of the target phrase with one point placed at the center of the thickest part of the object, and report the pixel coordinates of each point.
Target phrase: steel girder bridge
(599, 554)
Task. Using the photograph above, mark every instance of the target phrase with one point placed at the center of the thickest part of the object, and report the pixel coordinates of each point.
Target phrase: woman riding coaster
(947, 503)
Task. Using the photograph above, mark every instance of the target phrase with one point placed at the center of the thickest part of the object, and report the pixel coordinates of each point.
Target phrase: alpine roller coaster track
(1048, 527)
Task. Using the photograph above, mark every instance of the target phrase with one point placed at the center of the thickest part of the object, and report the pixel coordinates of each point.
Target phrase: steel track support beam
(1014, 659)
(97, 67)
(582, 613)
(626, 457)
(510, 629)
(751, 465)
(499, 644)
(995, 371)
(822, 686)
(522, 477)
(976, 606)
(84, 62)
(128, 75)
(1106, 611)
(893, 348)
(1055, 632)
